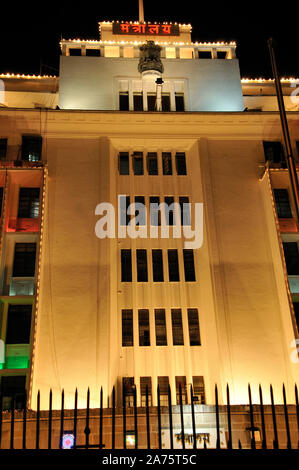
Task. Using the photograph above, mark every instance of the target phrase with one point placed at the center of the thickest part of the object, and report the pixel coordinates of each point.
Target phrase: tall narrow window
(193, 323)
(124, 203)
(155, 213)
(126, 266)
(13, 387)
(173, 266)
(189, 265)
(282, 203)
(274, 152)
(165, 102)
(291, 258)
(169, 210)
(3, 149)
(180, 160)
(180, 387)
(179, 102)
(177, 327)
(24, 260)
(167, 163)
(151, 102)
(124, 168)
(129, 391)
(152, 163)
(160, 322)
(127, 327)
(157, 259)
(199, 389)
(144, 327)
(31, 148)
(124, 101)
(141, 265)
(146, 384)
(138, 101)
(185, 210)
(140, 210)
(18, 324)
(28, 203)
(163, 383)
(138, 163)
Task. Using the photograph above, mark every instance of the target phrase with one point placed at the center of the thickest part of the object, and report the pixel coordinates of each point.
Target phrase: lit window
(186, 53)
(111, 51)
(170, 52)
(128, 52)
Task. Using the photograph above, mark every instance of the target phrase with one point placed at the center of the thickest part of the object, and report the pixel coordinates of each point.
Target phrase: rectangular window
(165, 102)
(185, 210)
(160, 322)
(155, 213)
(140, 210)
(181, 389)
(152, 163)
(18, 324)
(144, 328)
(124, 203)
(93, 53)
(124, 101)
(173, 266)
(129, 391)
(291, 258)
(124, 168)
(31, 148)
(141, 266)
(282, 203)
(24, 260)
(138, 101)
(167, 163)
(3, 149)
(138, 163)
(177, 327)
(169, 210)
(151, 102)
(198, 390)
(28, 203)
(13, 387)
(146, 384)
(1, 201)
(157, 259)
(274, 152)
(189, 265)
(180, 160)
(204, 54)
(126, 266)
(127, 327)
(163, 383)
(179, 102)
(193, 323)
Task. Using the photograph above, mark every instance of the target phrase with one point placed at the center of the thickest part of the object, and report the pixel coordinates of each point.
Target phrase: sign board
(203, 435)
(146, 29)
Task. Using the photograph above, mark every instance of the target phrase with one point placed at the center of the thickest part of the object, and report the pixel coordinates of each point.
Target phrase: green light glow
(17, 362)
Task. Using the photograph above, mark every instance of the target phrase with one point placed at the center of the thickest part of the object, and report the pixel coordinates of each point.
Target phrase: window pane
(152, 163)
(24, 260)
(129, 391)
(165, 102)
(18, 324)
(124, 101)
(13, 386)
(146, 384)
(31, 148)
(185, 211)
(124, 203)
(193, 323)
(189, 265)
(291, 258)
(3, 149)
(198, 389)
(127, 327)
(180, 159)
(157, 258)
(274, 152)
(141, 265)
(167, 164)
(160, 322)
(163, 383)
(126, 266)
(28, 203)
(151, 102)
(179, 102)
(282, 203)
(180, 385)
(144, 329)
(138, 163)
(177, 327)
(169, 210)
(140, 210)
(155, 213)
(124, 163)
(138, 102)
(173, 266)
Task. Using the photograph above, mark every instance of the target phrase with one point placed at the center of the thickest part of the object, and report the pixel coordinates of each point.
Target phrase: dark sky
(30, 32)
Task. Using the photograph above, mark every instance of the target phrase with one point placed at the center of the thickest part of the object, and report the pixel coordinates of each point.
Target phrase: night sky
(30, 33)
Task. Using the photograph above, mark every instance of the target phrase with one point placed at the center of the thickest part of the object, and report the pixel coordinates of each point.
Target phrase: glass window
(124, 203)
(124, 101)
(173, 266)
(152, 163)
(24, 260)
(177, 327)
(185, 210)
(140, 210)
(126, 266)
(141, 265)
(155, 213)
(28, 203)
(157, 259)
(160, 323)
(282, 203)
(31, 148)
(129, 391)
(169, 210)
(163, 384)
(181, 389)
(151, 102)
(18, 324)
(198, 389)
(138, 101)
(291, 258)
(179, 102)
(165, 102)
(180, 160)
(144, 327)
(189, 265)
(166, 163)
(193, 323)
(138, 163)
(124, 168)
(13, 387)
(274, 152)
(127, 327)
(146, 384)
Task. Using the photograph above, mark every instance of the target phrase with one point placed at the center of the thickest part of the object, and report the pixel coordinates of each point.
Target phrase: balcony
(20, 164)
(288, 225)
(23, 225)
(22, 286)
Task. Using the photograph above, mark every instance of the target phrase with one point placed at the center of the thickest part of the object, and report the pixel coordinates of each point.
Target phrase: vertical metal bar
(113, 417)
(75, 415)
(182, 416)
(170, 417)
(135, 418)
(275, 441)
(101, 419)
(193, 418)
(87, 430)
(12, 422)
(159, 418)
(252, 440)
(297, 410)
(50, 421)
(37, 420)
(61, 416)
(24, 422)
(264, 441)
(217, 418)
(147, 419)
(124, 419)
(229, 423)
(285, 407)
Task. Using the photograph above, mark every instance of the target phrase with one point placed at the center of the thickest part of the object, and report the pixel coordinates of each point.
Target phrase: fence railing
(176, 426)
